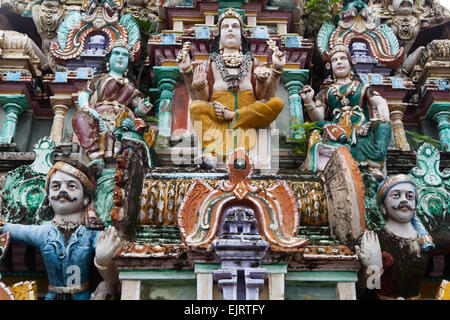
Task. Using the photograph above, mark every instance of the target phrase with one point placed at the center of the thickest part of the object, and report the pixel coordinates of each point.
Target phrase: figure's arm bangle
(189, 70)
(310, 106)
(277, 72)
(199, 87)
(99, 266)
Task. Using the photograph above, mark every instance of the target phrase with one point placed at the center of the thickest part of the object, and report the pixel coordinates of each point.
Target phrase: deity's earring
(351, 74)
(126, 72)
(107, 67)
(327, 66)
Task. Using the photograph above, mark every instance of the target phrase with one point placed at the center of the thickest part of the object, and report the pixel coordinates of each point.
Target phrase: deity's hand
(144, 107)
(108, 243)
(262, 74)
(307, 94)
(183, 59)
(102, 125)
(278, 57)
(222, 112)
(199, 78)
(370, 251)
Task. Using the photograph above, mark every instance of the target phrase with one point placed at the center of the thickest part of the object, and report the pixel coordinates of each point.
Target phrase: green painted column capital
(17, 103)
(295, 77)
(14, 105)
(294, 80)
(440, 112)
(163, 74)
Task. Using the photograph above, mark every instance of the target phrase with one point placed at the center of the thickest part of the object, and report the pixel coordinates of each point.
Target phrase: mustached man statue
(400, 251)
(73, 238)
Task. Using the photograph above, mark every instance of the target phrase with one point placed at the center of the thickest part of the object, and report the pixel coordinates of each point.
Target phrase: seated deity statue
(352, 114)
(232, 93)
(73, 238)
(108, 96)
(401, 250)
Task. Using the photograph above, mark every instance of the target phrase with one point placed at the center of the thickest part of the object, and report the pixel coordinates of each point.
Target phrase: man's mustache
(404, 204)
(63, 195)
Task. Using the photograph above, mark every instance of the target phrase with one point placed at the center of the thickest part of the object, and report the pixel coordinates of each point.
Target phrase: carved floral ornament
(103, 18)
(202, 210)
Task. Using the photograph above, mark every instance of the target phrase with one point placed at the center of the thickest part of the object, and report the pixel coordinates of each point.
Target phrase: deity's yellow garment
(220, 137)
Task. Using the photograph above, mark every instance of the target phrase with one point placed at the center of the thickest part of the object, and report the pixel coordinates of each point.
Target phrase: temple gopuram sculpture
(109, 99)
(84, 37)
(403, 254)
(73, 224)
(224, 150)
(359, 115)
(228, 90)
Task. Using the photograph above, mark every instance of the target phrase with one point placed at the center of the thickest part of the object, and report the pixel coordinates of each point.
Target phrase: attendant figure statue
(108, 96)
(358, 116)
(400, 250)
(73, 237)
(232, 93)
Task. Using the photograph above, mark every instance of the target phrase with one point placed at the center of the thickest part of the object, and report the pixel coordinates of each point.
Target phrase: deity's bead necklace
(342, 97)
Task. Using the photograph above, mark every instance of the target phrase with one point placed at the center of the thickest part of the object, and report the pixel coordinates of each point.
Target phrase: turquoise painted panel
(364, 77)
(376, 79)
(292, 41)
(61, 76)
(202, 32)
(296, 290)
(397, 83)
(261, 33)
(168, 38)
(322, 276)
(13, 76)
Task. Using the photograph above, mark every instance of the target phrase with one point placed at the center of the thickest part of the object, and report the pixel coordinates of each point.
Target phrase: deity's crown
(337, 46)
(230, 13)
(121, 42)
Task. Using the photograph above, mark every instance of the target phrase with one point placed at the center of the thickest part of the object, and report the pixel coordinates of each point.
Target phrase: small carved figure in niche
(232, 90)
(358, 116)
(401, 249)
(73, 237)
(108, 95)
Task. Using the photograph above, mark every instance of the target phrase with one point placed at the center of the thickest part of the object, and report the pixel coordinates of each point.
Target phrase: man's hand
(108, 243)
(370, 251)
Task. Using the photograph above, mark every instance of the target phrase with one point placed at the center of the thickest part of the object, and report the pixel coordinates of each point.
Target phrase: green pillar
(443, 120)
(294, 80)
(440, 112)
(166, 79)
(14, 105)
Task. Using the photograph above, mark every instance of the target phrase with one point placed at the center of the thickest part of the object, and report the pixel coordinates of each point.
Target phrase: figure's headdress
(70, 170)
(230, 13)
(338, 46)
(121, 42)
(392, 181)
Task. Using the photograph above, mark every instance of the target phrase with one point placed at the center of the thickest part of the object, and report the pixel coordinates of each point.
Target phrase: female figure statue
(108, 95)
(354, 109)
